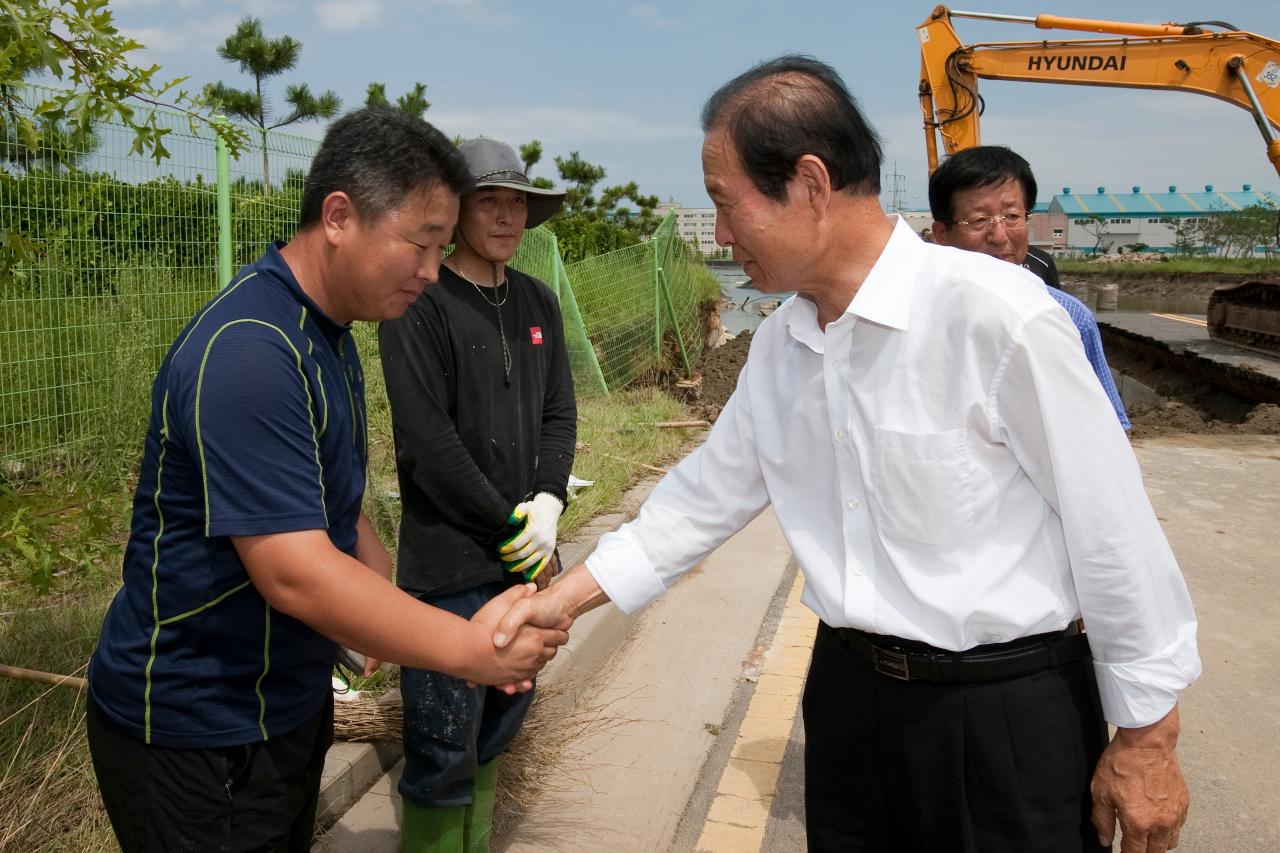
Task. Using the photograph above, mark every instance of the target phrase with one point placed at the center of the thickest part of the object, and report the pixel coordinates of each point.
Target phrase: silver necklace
(497, 302)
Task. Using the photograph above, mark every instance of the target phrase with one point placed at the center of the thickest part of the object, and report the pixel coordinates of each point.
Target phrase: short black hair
(379, 156)
(780, 110)
(981, 166)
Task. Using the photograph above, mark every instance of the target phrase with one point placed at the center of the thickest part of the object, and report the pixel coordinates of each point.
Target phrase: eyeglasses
(979, 224)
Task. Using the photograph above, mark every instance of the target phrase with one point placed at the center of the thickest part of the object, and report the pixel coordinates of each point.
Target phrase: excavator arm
(1228, 64)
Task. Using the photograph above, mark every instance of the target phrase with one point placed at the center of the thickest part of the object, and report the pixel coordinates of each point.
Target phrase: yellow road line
(1191, 321)
(739, 813)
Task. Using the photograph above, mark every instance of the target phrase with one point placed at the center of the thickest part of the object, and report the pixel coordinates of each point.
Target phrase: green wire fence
(121, 252)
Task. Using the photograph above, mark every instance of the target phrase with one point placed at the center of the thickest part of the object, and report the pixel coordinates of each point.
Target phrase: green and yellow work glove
(531, 548)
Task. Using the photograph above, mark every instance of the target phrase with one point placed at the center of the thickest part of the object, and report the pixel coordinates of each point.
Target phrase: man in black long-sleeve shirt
(485, 427)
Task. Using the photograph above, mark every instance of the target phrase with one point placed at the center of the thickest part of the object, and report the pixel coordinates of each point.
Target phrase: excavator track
(1247, 316)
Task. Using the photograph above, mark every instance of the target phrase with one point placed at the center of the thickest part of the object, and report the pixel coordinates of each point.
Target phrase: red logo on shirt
(535, 335)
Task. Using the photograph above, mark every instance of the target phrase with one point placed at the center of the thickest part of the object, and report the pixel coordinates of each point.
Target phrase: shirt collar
(885, 295)
(884, 298)
(274, 266)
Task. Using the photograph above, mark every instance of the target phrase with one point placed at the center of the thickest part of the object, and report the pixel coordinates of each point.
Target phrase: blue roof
(1156, 204)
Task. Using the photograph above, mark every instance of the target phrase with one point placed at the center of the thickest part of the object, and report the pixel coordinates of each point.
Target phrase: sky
(623, 83)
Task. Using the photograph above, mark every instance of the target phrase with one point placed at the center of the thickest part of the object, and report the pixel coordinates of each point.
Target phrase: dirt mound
(1178, 418)
(720, 368)
(1263, 420)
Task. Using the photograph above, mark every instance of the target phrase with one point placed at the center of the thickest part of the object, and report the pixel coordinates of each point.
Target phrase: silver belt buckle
(891, 664)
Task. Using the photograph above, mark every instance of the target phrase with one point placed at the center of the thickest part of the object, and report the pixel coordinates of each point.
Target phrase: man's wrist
(1162, 734)
(551, 495)
(578, 590)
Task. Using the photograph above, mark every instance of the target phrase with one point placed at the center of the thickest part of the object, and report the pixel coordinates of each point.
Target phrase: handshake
(521, 629)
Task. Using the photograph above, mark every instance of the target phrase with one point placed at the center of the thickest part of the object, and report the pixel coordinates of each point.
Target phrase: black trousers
(914, 766)
(255, 797)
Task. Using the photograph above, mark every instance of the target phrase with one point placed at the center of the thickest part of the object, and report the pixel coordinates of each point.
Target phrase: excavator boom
(1234, 66)
(1225, 63)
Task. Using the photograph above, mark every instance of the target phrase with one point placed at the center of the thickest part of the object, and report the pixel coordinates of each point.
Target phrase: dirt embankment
(1193, 408)
(1180, 286)
(1178, 418)
(720, 368)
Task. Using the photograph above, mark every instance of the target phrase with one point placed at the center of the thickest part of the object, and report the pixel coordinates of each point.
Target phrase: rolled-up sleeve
(711, 495)
(1138, 613)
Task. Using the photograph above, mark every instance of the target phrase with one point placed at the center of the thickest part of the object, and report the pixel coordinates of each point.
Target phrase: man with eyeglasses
(980, 199)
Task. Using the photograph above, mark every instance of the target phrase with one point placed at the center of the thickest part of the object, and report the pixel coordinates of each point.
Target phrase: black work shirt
(1041, 263)
(470, 444)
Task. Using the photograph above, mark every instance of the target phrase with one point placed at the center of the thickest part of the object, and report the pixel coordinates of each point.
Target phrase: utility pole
(897, 185)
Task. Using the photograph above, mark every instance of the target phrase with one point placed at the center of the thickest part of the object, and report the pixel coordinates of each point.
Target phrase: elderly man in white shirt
(959, 495)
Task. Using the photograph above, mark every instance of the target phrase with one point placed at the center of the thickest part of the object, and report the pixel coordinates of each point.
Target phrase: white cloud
(649, 12)
(558, 126)
(343, 15)
(477, 12)
(159, 39)
(192, 33)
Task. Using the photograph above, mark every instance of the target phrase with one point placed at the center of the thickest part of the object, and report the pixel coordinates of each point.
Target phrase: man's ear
(811, 182)
(337, 216)
(940, 233)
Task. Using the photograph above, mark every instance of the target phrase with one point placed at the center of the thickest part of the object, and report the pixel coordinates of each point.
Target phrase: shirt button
(839, 435)
(837, 364)
(853, 503)
(857, 569)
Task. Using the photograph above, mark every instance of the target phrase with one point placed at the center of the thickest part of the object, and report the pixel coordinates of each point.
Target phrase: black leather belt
(920, 662)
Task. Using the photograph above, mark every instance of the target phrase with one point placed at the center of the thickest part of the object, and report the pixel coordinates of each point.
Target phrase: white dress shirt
(945, 468)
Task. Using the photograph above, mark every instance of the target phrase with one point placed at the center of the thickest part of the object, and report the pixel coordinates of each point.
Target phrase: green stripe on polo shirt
(221, 296)
(205, 606)
(266, 667)
(155, 566)
(315, 440)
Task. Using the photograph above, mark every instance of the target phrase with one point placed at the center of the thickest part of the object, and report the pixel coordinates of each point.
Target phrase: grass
(613, 429)
(1174, 265)
(62, 531)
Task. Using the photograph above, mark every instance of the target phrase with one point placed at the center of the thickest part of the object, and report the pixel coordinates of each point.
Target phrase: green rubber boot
(431, 830)
(479, 821)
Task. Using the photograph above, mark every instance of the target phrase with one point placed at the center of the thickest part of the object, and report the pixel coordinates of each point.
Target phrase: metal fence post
(657, 298)
(225, 270)
(675, 321)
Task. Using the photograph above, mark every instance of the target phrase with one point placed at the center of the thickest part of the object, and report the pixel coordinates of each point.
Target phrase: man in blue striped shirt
(980, 199)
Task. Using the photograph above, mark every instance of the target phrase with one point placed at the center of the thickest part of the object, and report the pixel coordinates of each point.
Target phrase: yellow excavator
(1210, 58)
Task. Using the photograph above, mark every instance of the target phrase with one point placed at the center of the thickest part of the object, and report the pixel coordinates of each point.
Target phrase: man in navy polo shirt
(209, 706)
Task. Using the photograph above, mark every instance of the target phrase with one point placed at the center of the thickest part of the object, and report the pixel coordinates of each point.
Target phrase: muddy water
(1150, 304)
(745, 307)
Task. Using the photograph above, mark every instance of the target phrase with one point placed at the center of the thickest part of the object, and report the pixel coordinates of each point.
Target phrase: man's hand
(1138, 781)
(545, 576)
(555, 607)
(514, 664)
(533, 546)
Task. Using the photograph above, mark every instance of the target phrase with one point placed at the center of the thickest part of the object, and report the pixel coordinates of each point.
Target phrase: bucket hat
(495, 164)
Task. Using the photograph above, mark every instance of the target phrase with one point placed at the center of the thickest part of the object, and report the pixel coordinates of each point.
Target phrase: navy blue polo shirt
(257, 426)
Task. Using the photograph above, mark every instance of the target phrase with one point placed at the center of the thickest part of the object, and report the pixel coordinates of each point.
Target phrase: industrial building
(1104, 222)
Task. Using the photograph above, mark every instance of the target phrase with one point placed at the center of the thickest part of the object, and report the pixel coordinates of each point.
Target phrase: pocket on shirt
(924, 486)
